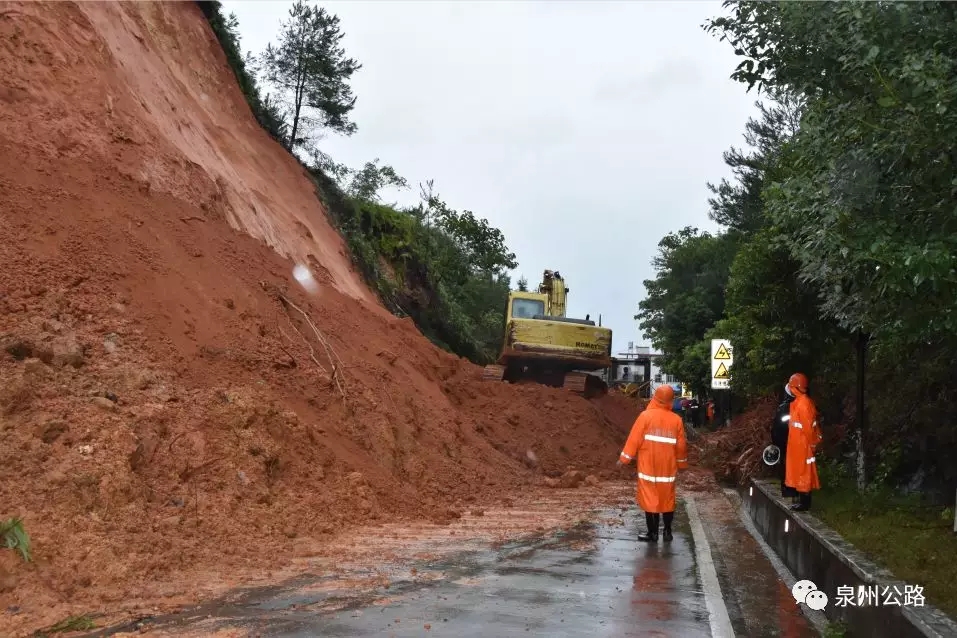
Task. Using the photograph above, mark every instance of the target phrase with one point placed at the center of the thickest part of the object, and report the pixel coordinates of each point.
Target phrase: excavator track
(580, 383)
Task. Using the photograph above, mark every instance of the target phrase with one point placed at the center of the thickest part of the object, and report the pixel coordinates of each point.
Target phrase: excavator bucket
(493, 373)
(575, 382)
(586, 385)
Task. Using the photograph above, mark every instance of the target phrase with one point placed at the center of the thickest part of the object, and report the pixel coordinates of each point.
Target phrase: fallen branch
(189, 472)
(282, 347)
(335, 372)
(312, 351)
(175, 438)
(741, 458)
(334, 360)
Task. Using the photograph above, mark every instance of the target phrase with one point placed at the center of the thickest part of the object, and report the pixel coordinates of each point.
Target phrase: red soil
(165, 421)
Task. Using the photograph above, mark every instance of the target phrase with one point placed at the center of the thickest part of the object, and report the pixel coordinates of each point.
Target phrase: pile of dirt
(735, 452)
(174, 407)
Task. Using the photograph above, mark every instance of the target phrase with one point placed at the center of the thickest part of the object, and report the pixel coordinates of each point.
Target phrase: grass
(912, 540)
(834, 630)
(13, 536)
(73, 623)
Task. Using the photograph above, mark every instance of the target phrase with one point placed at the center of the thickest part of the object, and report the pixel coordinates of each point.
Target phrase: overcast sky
(584, 131)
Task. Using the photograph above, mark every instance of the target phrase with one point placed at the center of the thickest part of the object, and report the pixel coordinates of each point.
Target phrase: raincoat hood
(663, 398)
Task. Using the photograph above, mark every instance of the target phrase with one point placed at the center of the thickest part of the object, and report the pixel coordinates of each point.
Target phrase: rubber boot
(804, 502)
(668, 517)
(651, 520)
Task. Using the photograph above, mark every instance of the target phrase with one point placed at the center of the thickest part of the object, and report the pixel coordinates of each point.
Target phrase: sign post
(722, 357)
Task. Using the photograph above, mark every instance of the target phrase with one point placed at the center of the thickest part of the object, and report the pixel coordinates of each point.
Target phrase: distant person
(694, 409)
(686, 410)
(804, 434)
(709, 412)
(657, 440)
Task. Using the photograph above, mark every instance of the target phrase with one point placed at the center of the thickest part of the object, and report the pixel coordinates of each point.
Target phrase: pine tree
(310, 69)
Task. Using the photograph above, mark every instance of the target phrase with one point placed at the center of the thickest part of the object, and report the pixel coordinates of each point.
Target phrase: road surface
(591, 579)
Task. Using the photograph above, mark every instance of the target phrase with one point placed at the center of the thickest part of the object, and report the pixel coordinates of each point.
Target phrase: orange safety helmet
(798, 383)
(665, 395)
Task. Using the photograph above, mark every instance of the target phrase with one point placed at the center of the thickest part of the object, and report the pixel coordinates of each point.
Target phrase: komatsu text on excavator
(545, 346)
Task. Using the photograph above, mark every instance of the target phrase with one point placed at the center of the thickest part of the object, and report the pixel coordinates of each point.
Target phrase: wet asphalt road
(593, 580)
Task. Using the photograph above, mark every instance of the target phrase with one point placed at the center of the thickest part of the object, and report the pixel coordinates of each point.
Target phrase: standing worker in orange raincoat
(657, 440)
(804, 434)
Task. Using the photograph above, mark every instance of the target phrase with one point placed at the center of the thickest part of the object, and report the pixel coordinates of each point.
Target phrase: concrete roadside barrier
(867, 599)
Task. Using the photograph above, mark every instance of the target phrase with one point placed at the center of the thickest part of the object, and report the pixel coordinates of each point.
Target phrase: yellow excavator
(545, 346)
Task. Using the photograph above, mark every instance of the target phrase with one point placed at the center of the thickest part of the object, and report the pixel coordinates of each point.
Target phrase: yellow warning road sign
(722, 358)
(722, 353)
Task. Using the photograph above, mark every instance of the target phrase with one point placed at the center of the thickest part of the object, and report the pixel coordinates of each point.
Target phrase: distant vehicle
(543, 345)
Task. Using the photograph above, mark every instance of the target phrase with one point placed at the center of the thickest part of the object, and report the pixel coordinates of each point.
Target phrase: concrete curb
(814, 552)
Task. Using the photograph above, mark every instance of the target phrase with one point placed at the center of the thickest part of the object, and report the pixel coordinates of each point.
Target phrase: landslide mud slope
(166, 421)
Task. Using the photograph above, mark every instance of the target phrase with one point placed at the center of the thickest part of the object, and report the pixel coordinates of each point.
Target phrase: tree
(310, 68)
(738, 205)
(482, 244)
(685, 300)
(371, 178)
(862, 205)
(772, 318)
(361, 184)
(522, 284)
(866, 205)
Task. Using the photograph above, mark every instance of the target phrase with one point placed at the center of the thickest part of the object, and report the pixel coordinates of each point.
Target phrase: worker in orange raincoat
(804, 434)
(657, 440)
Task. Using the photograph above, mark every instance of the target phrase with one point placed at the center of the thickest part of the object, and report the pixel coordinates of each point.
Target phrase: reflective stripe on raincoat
(657, 440)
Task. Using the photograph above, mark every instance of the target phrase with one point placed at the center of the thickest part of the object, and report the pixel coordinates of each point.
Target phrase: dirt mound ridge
(167, 418)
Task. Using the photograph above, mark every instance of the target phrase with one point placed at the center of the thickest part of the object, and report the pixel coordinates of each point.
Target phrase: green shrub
(15, 537)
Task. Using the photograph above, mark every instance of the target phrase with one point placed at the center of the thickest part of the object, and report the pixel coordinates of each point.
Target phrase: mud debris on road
(560, 563)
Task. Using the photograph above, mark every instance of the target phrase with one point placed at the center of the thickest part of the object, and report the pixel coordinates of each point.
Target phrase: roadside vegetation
(901, 532)
(445, 268)
(68, 625)
(839, 236)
